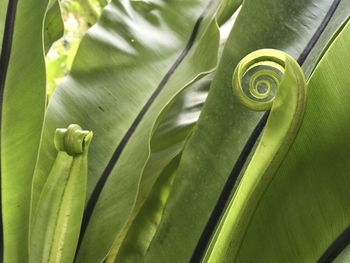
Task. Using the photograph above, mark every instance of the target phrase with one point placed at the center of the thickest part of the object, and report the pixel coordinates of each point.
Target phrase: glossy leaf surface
(224, 125)
(305, 207)
(173, 126)
(108, 88)
(23, 104)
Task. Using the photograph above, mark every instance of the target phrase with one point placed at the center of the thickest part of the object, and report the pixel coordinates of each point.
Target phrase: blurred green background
(78, 16)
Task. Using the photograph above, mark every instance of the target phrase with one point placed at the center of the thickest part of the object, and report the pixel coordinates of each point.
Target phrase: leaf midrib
(247, 149)
(119, 149)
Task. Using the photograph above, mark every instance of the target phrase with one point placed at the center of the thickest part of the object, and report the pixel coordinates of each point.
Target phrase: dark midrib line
(318, 32)
(222, 202)
(4, 63)
(115, 157)
(336, 247)
(226, 192)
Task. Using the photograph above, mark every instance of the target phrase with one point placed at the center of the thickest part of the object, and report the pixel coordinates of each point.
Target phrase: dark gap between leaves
(222, 202)
(4, 63)
(115, 157)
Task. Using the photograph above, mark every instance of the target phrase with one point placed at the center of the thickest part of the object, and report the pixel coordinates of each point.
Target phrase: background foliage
(78, 16)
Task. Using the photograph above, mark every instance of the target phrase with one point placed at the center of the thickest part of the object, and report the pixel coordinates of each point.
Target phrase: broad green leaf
(23, 103)
(107, 89)
(144, 226)
(172, 127)
(136, 145)
(53, 25)
(170, 131)
(56, 222)
(224, 125)
(305, 207)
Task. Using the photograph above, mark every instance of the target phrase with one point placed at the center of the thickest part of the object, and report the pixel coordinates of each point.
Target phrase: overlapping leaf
(128, 70)
(224, 125)
(227, 8)
(172, 127)
(53, 25)
(136, 47)
(334, 24)
(286, 99)
(23, 104)
(305, 208)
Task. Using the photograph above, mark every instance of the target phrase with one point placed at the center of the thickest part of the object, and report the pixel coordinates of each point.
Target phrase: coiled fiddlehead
(73, 140)
(264, 80)
(56, 221)
(257, 78)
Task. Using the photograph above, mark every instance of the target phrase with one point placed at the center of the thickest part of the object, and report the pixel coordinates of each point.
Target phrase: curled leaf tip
(258, 76)
(264, 80)
(73, 140)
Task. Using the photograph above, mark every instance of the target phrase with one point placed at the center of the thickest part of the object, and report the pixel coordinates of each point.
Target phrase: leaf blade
(127, 33)
(22, 113)
(224, 126)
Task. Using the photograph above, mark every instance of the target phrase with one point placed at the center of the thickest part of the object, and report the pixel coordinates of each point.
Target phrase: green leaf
(224, 125)
(3, 10)
(22, 88)
(135, 148)
(305, 208)
(53, 25)
(108, 88)
(263, 80)
(170, 131)
(335, 24)
(144, 226)
(56, 222)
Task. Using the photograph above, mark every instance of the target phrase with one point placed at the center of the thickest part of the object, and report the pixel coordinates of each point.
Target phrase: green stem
(276, 83)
